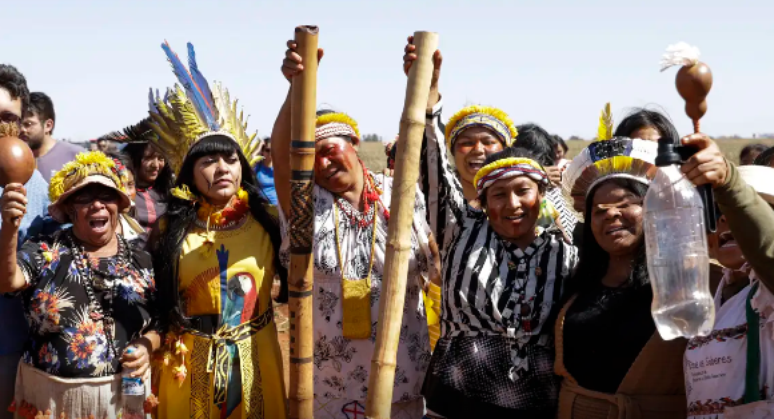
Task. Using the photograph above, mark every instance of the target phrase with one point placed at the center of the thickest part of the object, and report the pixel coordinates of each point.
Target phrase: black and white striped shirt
(497, 299)
(566, 215)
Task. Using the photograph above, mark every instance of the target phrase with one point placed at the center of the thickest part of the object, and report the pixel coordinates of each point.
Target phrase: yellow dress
(229, 276)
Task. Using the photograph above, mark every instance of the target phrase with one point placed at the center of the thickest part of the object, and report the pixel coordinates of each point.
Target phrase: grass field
(373, 155)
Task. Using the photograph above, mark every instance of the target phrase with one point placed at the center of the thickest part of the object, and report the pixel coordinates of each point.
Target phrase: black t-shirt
(604, 331)
(65, 340)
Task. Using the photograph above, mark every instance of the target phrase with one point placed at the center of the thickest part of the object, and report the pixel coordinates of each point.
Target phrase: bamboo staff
(412, 126)
(302, 125)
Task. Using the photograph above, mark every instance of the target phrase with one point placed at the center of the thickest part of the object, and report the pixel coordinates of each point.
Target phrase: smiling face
(513, 207)
(337, 166)
(616, 219)
(151, 165)
(471, 148)
(94, 213)
(218, 177)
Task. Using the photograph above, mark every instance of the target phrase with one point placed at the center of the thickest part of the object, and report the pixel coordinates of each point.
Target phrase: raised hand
(410, 56)
(13, 204)
(292, 65)
(707, 166)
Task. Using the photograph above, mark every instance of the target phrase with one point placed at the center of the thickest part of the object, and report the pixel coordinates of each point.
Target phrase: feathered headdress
(87, 168)
(335, 124)
(140, 132)
(609, 157)
(493, 119)
(189, 113)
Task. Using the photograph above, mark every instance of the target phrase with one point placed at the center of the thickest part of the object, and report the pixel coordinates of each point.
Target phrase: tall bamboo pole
(412, 126)
(302, 125)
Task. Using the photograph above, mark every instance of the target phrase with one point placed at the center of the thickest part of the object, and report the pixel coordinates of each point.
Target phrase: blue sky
(551, 62)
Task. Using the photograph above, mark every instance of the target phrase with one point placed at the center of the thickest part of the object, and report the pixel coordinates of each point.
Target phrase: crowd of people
(138, 280)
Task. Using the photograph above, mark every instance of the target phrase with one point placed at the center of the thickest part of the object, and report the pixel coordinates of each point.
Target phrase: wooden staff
(412, 126)
(302, 125)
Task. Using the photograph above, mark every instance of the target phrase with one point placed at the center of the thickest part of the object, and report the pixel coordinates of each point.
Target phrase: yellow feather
(605, 129)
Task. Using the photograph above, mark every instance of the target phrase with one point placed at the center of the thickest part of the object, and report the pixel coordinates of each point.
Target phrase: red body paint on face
(336, 164)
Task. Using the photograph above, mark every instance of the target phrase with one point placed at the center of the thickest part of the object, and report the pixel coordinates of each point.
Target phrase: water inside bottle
(681, 307)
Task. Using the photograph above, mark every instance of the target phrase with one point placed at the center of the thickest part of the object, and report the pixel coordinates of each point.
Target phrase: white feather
(679, 54)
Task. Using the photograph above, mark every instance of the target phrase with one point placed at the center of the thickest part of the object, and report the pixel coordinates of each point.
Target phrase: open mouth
(475, 165)
(516, 217)
(726, 239)
(98, 224)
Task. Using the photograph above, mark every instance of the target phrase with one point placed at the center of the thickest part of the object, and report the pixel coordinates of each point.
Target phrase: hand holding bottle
(708, 165)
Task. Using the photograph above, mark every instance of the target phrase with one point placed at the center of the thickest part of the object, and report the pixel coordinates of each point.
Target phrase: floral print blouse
(64, 338)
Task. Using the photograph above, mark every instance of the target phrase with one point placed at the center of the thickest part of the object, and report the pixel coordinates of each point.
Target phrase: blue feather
(200, 104)
(198, 77)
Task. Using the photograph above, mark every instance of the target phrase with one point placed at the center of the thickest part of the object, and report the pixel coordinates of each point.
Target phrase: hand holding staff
(412, 125)
(302, 148)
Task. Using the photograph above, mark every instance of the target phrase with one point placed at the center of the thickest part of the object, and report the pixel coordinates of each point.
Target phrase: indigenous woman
(150, 177)
(89, 298)
(352, 209)
(644, 124)
(154, 176)
(502, 279)
(730, 372)
(218, 255)
(612, 361)
(501, 276)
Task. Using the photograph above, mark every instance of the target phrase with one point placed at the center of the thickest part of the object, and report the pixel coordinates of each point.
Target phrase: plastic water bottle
(131, 386)
(678, 262)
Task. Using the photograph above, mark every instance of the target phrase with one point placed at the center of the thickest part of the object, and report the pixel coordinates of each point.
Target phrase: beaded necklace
(86, 271)
(370, 197)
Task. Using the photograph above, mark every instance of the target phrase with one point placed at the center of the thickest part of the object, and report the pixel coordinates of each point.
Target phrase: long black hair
(180, 218)
(536, 139)
(643, 118)
(594, 260)
(164, 181)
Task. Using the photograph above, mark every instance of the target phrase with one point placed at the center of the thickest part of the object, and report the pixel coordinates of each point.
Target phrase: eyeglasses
(105, 196)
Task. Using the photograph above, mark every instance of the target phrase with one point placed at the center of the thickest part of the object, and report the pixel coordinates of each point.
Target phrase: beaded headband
(335, 125)
(487, 117)
(508, 168)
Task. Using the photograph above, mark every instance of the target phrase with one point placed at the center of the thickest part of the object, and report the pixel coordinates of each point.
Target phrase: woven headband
(334, 129)
(481, 120)
(506, 169)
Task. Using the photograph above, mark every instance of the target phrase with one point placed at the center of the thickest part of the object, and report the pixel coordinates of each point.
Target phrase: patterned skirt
(468, 377)
(57, 397)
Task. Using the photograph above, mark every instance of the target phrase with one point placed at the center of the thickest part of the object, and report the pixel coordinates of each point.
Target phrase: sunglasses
(87, 197)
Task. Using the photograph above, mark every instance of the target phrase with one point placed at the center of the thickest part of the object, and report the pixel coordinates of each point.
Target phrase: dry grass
(373, 155)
